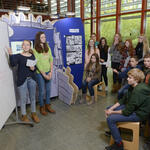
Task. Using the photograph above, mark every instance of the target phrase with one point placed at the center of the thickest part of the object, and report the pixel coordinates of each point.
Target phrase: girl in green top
(44, 66)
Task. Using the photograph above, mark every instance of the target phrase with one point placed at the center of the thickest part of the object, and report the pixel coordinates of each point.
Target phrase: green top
(137, 100)
(43, 60)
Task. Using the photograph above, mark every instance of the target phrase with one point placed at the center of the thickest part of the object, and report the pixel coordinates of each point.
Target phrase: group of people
(131, 78)
(131, 70)
(121, 57)
(29, 73)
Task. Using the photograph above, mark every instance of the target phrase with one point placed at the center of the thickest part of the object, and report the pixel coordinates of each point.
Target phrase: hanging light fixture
(23, 7)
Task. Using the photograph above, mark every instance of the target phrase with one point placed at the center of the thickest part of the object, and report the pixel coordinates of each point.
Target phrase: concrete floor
(76, 127)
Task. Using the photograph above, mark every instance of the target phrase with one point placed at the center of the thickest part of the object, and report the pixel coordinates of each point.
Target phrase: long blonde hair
(145, 44)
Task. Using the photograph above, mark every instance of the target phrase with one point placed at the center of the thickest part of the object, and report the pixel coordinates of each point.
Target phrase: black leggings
(104, 74)
(115, 75)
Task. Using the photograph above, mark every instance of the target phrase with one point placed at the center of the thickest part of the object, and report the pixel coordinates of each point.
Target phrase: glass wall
(130, 27)
(77, 8)
(87, 30)
(108, 7)
(87, 8)
(148, 26)
(63, 6)
(131, 5)
(54, 7)
(148, 3)
(107, 29)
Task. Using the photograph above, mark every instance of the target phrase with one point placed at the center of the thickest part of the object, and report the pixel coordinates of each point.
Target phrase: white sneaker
(106, 88)
(99, 88)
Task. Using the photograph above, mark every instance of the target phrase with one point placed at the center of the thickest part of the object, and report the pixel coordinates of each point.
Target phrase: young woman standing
(44, 66)
(25, 79)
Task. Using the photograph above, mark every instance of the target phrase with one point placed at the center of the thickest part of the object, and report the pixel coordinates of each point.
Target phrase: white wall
(7, 94)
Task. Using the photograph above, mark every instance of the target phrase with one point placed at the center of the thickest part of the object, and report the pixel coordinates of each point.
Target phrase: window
(87, 8)
(108, 7)
(130, 27)
(87, 30)
(130, 5)
(148, 26)
(77, 8)
(63, 6)
(148, 3)
(53, 7)
(108, 29)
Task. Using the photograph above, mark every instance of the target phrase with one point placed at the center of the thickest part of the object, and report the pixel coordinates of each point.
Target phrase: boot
(25, 118)
(114, 88)
(92, 101)
(83, 99)
(35, 117)
(48, 108)
(43, 111)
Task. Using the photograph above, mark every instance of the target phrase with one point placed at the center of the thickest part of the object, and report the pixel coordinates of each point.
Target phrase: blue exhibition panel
(28, 33)
(72, 27)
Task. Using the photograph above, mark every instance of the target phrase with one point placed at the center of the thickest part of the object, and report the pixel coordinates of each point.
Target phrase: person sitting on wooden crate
(133, 107)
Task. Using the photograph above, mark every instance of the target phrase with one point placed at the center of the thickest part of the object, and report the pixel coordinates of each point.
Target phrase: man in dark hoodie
(134, 107)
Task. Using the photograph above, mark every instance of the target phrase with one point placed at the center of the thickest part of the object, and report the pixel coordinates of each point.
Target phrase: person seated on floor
(133, 107)
(123, 75)
(92, 73)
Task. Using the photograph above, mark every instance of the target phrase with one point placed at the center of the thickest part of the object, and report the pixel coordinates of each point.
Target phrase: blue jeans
(90, 85)
(113, 119)
(123, 90)
(44, 87)
(30, 86)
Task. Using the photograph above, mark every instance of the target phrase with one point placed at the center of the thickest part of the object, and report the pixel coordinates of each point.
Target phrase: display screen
(16, 46)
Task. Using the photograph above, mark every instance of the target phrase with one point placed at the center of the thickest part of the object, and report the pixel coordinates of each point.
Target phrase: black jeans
(104, 74)
(115, 75)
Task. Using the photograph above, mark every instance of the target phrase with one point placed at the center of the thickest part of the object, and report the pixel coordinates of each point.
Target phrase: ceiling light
(70, 13)
(54, 16)
(23, 8)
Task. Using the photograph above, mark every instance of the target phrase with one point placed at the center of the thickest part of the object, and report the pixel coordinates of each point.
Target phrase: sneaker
(108, 133)
(115, 146)
(99, 88)
(106, 88)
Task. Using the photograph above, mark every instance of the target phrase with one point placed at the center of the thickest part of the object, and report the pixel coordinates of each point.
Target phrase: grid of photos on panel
(74, 49)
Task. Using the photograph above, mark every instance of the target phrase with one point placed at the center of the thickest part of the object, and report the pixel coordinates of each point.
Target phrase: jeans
(30, 86)
(90, 85)
(123, 90)
(44, 87)
(113, 119)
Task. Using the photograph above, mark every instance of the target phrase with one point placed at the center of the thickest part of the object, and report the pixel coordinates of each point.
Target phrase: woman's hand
(115, 71)
(9, 50)
(32, 68)
(88, 79)
(108, 112)
(50, 75)
(101, 60)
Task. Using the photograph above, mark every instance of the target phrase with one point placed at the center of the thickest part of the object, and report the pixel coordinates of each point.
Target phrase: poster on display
(74, 49)
(7, 94)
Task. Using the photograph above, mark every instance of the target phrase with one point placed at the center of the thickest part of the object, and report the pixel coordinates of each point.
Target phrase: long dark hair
(88, 47)
(38, 46)
(105, 46)
(89, 65)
